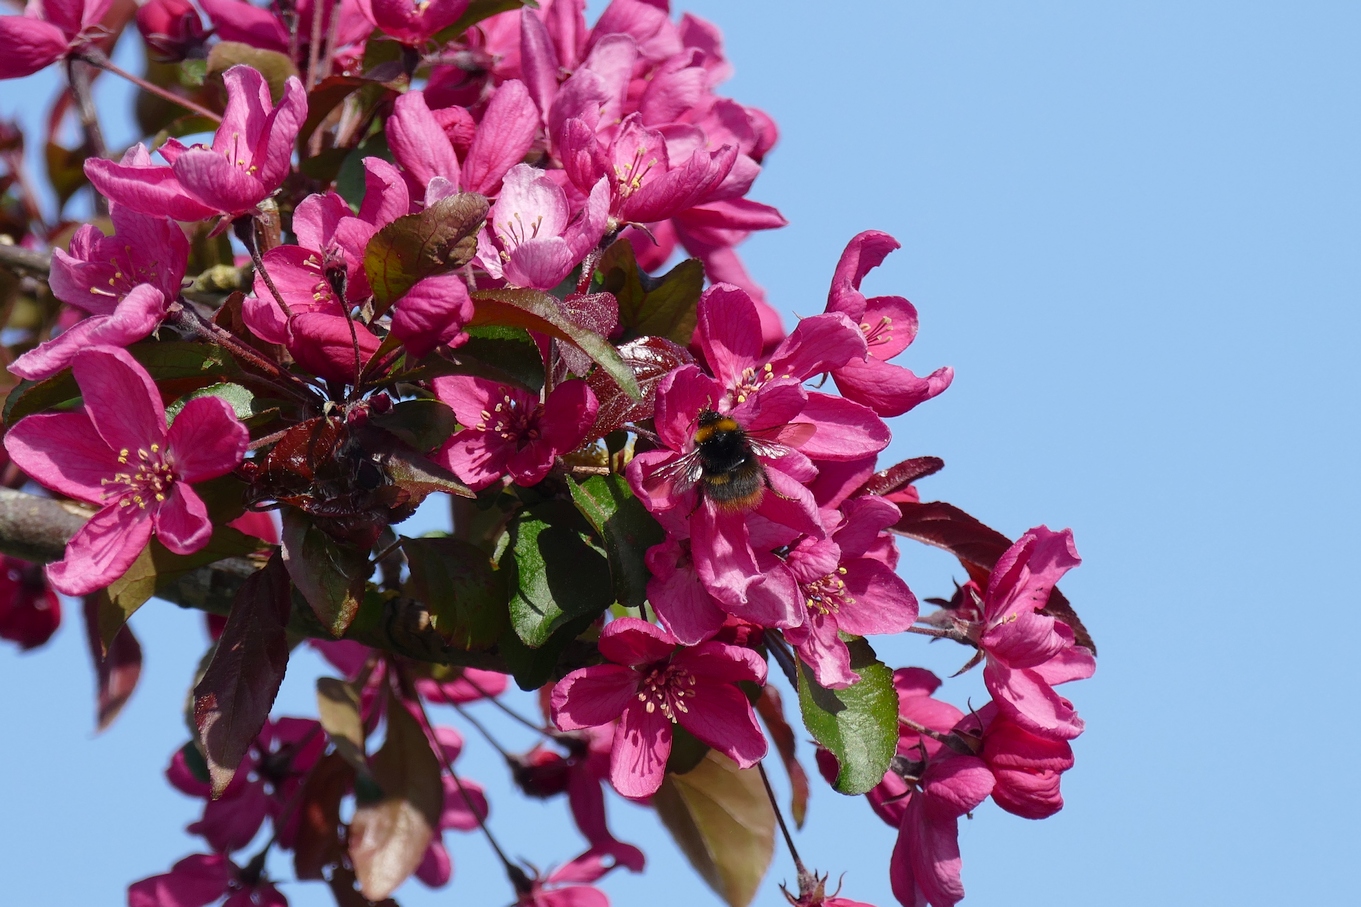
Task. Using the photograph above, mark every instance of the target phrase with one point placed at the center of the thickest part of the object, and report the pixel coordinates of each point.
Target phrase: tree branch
(37, 529)
(25, 261)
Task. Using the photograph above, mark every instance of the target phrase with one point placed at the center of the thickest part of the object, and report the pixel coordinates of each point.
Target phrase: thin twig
(96, 58)
(245, 231)
(17, 258)
(779, 817)
(78, 77)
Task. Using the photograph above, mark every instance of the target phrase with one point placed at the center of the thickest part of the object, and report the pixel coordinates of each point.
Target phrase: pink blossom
(116, 453)
(531, 239)
(242, 21)
(127, 282)
(412, 23)
(203, 879)
(506, 430)
(1028, 767)
(30, 611)
(1027, 652)
(845, 591)
(248, 160)
(325, 345)
(652, 685)
(889, 324)
(172, 28)
(45, 32)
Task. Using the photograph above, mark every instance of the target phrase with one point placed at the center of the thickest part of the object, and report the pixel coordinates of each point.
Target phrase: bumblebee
(724, 463)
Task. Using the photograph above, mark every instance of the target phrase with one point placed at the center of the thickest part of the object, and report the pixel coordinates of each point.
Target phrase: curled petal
(102, 550)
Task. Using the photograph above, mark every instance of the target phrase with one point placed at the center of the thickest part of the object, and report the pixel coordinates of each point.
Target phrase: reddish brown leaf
(901, 475)
(650, 359)
(338, 712)
(234, 697)
(772, 713)
(978, 547)
(388, 837)
(342, 884)
(319, 843)
(116, 671)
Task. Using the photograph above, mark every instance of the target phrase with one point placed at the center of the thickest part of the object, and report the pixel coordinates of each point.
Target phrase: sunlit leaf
(440, 238)
(858, 725)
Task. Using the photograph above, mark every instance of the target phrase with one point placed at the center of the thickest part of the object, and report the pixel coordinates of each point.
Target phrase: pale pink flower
(250, 156)
(116, 453)
(531, 239)
(651, 685)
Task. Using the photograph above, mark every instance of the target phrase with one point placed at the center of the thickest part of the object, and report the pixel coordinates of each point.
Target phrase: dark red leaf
(116, 671)
(234, 697)
(898, 477)
(318, 843)
(650, 359)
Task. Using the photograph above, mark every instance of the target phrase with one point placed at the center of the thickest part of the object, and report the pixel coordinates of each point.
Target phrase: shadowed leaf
(858, 725)
(117, 667)
(626, 528)
(782, 735)
(318, 842)
(330, 576)
(465, 594)
(649, 360)
(554, 575)
(338, 712)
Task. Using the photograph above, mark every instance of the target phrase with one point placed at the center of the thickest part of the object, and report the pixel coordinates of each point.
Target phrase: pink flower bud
(172, 28)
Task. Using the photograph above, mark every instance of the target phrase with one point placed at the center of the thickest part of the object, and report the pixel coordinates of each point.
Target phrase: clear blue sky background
(1133, 231)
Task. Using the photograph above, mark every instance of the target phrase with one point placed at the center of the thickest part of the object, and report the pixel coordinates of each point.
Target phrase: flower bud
(172, 28)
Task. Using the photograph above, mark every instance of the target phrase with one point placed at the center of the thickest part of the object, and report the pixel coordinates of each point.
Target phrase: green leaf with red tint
(330, 575)
(438, 239)
(722, 820)
(117, 666)
(648, 306)
(338, 712)
(537, 311)
(649, 360)
(388, 837)
(234, 697)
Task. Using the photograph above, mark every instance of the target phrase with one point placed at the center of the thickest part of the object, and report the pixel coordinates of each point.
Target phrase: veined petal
(630, 641)
(729, 332)
(503, 137)
(642, 744)
(30, 45)
(120, 399)
(720, 715)
(846, 430)
(417, 141)
(136, 316)
(102, 550)
(206, 440)
(889, 390)
(883, 603)
(863, 253)
(224, 185)
(181, 521)
(147, 189)
(62, 451)
(1028, 700)
(593, 696)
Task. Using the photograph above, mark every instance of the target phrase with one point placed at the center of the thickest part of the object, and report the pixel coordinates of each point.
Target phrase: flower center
(828, 594)
(752, 381)
(515, 231)
(878, 333)
(512, 418)
(630, 175)
(147, 481)
(667, 688)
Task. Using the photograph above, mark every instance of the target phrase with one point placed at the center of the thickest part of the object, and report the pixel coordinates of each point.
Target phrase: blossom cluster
(433, 249)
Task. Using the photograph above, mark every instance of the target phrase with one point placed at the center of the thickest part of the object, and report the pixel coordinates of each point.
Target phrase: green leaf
(157, 569)
(553, 573)
(65, 170)
(627, 529)
(338, 712)
(330, 576)
(648, 306)
(505, 350)
(477, 11)
(234, 395)
(534, 310)
(424, 424)
(438, 239)
(722, 820)
(350, 181)
(274, 66)
(465, 594)
(29, 397)
(859, 724)
(532, 668)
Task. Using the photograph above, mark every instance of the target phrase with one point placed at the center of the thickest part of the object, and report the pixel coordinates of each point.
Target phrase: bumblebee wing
(771, 450)
(680, 475)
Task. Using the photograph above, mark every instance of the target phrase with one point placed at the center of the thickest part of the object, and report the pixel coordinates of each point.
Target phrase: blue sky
(1133, 230)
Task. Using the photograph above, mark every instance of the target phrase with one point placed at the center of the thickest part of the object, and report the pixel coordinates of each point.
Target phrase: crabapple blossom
(652, 685)
(116, 453)
(45, 32)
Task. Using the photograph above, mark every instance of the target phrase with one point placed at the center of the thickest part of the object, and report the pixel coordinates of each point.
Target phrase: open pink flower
(531, 239)
(250, 156)
(889, 324)
(412, 23)
(569, 884)
(652, 685)
(116, 453)
(127, 282)
(846, 591)
(44, 33)
(506, 430)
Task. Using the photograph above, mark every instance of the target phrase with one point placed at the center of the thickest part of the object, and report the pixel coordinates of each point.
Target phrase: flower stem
(779, 817)
(97, 58)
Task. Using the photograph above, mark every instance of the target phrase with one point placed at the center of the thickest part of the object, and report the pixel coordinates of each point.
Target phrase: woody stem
(97, 58)
(779, 817)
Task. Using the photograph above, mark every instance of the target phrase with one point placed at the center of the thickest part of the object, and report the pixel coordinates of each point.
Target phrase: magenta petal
(101, 550)
(436, 868)
(680, 397)
(1031, 702)
(195, 881)
(863, 253)
(475, 457)
(457, 814)
(468, 397)
(274, 153)
(723, 557)
(686, 611)
(539, 263)
(146, 189)
(181, 521)
(136, 316)
(417, 141)
(30, 44)
(593, 696)
(218, 182)
(888, 389)
(720, 661)
(883, 603)
(846, 430)
(206, 440)
(1075, 663)
(790, 505)
(63, 452)
(822, 650)
(538, 60)
(503, 138)
(720, 715)
(729, 332)
(819, 344)
(630, 641)
(642, 744)
(432, 313)
(568, 414)
(120, 399)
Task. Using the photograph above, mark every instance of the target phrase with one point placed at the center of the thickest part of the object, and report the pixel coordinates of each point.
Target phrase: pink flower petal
(417, 141)
(883, 603)
(101, 551)
(207, 440)
(720, 715)
(147, 189)
(63, 452)
(729, 332)
(120, 399)
(30, 45)
(630, 641)
(217, 182)
(642, 743)
(1028, 700)
(592, 696)
(503, 138)
(181, 520)
(136, 316)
